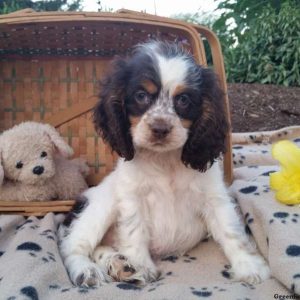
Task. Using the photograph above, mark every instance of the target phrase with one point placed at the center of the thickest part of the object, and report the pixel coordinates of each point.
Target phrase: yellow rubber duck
(286, 182)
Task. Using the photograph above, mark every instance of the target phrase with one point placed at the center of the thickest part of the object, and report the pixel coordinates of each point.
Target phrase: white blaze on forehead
(173, 72)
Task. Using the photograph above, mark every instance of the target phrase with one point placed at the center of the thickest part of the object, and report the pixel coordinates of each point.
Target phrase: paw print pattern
(202, 292)
(30, 292)
(267, 173)
(284, 218)
(205, 292)
(188, 258)
(155, 285)
(238, 158)
(29, 246)
(248, 189)
(128, 286)
(171, 258)
(34, 249)
(296, 283)
(226, 272)
(22, 226)
(248, 219)
(48, 234)
(293, 250)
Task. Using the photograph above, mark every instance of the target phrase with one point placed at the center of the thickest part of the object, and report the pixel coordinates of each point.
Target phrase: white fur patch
(173, 72)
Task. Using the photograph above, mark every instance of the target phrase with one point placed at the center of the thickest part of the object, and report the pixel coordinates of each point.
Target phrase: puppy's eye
(44, 154)
(183, 100)
(142, 97)
(19, 165)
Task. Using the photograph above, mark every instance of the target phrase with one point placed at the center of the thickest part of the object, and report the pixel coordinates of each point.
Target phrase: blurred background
(260, 42)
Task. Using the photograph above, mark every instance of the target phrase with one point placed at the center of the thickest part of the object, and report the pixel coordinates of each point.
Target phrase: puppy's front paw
(89, 277)
(85, 273)
(251, 268)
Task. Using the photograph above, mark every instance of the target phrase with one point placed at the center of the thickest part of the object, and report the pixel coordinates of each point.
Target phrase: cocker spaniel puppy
(164, 115)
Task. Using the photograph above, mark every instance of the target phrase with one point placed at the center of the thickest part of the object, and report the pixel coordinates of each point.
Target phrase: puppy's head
(159, 99)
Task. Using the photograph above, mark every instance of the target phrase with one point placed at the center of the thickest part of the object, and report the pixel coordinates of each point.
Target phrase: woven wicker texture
(80, 38)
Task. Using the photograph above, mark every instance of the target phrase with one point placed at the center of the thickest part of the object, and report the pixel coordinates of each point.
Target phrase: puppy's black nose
(38, 170)
(160, 129)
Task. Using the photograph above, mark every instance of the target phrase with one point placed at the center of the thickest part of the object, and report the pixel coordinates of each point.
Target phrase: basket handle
(23, 11)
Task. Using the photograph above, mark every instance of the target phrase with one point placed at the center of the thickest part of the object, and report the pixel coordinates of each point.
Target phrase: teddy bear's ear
(63, 148)
(1, 170)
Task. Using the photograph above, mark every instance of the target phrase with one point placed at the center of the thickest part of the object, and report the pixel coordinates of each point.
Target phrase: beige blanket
(31, 267)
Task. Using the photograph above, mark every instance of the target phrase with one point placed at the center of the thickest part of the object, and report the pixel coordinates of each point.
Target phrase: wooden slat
(36, 203)
(35, 208)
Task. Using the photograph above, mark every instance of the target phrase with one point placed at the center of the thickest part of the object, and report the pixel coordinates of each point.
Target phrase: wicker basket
(50, 66)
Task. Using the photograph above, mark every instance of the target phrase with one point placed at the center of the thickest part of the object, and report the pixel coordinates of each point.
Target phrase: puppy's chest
(173, 212)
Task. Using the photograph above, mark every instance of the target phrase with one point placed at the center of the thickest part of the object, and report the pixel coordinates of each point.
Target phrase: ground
(263, 107)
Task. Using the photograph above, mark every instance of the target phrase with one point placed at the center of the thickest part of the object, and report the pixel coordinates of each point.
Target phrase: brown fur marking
(134, 121)
(179, 90)
(150, 87)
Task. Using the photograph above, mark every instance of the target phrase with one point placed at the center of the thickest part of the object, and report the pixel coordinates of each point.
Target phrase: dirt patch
(257, 107)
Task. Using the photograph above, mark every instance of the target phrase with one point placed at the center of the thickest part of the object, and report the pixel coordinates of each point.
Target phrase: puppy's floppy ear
(110, 117)
(207, 134)
(63, 148)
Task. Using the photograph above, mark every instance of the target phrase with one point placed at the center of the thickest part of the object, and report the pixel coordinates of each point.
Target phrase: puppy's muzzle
(160, 129)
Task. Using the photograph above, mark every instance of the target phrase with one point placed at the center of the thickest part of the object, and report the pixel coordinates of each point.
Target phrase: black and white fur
(164, 115)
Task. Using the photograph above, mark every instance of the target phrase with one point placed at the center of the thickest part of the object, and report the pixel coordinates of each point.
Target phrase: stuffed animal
(286, 182)
(34, 165)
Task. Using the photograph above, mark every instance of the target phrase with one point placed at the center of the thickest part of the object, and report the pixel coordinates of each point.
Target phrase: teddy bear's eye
(19, 165)
(43, 154)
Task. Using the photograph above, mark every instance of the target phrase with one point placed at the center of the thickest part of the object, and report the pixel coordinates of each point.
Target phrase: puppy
(164, 115)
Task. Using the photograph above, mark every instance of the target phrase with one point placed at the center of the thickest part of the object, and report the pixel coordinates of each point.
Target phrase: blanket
(31, 267)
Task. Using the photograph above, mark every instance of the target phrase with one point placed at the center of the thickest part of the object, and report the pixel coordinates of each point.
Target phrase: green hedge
(270, 49)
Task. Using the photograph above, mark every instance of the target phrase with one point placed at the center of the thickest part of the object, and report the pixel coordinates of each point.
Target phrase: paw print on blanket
(188, 258)
(205, 292)
(29, 292)
(33, 249)
(253, 189)
(284, 218)
(293, 251)
(296, 282)
(248, 220)
(154, 285)
(128, 286)
(226, 272)
(49, 234)
(22, 226)
(238, 158)
(248, 189)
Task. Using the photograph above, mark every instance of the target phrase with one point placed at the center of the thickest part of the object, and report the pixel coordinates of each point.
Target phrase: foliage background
(7, 6)
(260, 39)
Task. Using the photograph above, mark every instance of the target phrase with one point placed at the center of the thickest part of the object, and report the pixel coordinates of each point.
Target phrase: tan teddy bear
(34, 165)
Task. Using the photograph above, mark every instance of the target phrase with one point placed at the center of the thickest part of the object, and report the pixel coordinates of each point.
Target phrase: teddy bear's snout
(38, 170)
